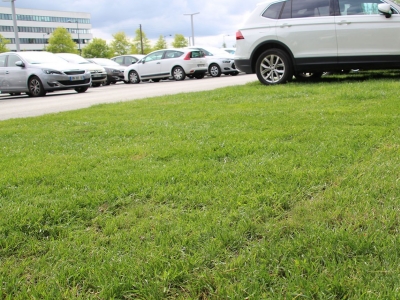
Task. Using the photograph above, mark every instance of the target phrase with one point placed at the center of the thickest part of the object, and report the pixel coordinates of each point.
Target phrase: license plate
(97, 75)
(74, 78)
(201, 65)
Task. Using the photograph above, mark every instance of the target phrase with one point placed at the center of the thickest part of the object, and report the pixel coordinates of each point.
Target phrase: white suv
(297, 37)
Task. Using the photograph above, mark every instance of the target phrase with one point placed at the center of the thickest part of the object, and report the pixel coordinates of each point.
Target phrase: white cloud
(217, 20)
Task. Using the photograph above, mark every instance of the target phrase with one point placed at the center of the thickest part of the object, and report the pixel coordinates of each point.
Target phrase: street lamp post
(224, 45)
(77, 29)
(14, 23)
(191, 17)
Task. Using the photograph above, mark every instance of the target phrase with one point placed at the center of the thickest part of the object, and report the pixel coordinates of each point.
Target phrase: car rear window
(197, 54)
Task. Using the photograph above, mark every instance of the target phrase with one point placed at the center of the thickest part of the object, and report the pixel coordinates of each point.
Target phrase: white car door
(308, 29)
(151, 65)
(169, 60)
(362, 31)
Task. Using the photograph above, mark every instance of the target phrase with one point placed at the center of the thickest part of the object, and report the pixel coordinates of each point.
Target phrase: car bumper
(99, 78)
(58, 82)
(244, 65)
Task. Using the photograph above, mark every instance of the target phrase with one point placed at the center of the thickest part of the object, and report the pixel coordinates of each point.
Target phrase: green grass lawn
(245, 192)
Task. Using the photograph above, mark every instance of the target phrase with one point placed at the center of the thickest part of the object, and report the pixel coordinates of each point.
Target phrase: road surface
(24, 106)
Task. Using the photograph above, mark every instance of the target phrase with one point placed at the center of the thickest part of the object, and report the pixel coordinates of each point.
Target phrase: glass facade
(41, 29)
(41, 41)
(45, 19)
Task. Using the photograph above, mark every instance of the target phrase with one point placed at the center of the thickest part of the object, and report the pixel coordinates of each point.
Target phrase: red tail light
(239, 35)
(187, 56)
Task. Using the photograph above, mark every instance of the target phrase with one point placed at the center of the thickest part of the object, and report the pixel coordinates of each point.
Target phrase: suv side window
(359, 7)
(12, 59)
(298, 9)
(274, 10)
(305, 9)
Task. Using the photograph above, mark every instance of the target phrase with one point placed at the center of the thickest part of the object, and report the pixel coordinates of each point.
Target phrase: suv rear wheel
(274, 67)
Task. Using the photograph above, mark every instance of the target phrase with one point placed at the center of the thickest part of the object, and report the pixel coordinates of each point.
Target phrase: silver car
(99, 74)
(36, 73)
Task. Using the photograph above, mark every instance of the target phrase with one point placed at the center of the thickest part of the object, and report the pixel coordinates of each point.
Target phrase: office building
(35, 27)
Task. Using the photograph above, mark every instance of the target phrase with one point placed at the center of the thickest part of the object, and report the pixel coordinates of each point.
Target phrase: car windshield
(74, 58)
(41, 58)
(105, 62)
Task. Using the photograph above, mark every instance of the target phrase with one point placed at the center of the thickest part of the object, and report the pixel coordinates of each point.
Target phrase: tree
(3, 44)
(139, 40)
(179, 41)
(97, 48)
(120, 45)
(61, 42)
(160, 44)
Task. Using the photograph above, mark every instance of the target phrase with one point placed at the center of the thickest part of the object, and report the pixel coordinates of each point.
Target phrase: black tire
(81, 89)
(133, 77)
(95, 84)
(304, 76)
(199, 76)
(234, 73)
(178, 73)
(214, 70)
(274, 67)
(127, 82)
(35, 87)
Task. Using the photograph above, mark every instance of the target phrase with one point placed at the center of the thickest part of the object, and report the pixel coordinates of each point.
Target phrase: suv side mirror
(385, 9)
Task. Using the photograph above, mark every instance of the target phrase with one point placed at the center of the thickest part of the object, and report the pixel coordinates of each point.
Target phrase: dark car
(115, 72)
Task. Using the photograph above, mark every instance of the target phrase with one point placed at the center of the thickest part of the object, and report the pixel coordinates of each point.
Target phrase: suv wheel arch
(267, 45)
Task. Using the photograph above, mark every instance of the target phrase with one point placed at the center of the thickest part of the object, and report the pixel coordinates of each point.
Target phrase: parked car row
(38, 73)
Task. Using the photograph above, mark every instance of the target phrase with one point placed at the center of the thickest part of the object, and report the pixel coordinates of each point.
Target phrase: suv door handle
(285, 25)
(344, 22)
(7, 72)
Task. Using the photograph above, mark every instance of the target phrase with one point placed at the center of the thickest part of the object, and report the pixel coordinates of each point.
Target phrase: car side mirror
(385, 9)
(20, 64)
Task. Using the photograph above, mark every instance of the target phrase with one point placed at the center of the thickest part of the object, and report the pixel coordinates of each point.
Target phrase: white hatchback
(163, 64)
(219, 61)
(306, 38)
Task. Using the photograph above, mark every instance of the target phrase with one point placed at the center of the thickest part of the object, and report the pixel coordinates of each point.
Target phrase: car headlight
(49, 71)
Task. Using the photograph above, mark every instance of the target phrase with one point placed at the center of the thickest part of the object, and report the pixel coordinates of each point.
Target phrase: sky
(216, 23)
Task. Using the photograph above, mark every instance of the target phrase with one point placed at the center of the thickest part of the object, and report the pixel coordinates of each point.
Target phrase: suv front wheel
(274, 67)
